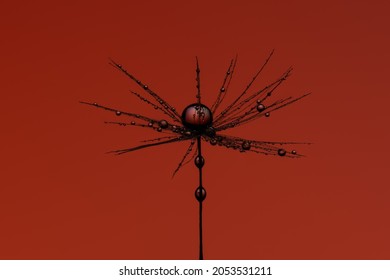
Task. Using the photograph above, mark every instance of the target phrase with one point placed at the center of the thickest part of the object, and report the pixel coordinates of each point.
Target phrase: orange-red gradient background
(62, 197)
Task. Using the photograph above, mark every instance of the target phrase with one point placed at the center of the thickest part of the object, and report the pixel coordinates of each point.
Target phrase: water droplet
(150, 124)
(200, 194)
(267, 114)
(213, 142)
(199, 161)
(145, 87)
(228, 73)
(118, 113)
(173, 109)
(197, 116)
(95, 104)
(246, 145)
(281, 152)
(260, 107)
(210, 131)
(137, 116)
(294, 152)
(119, 66)
(188, 133)
(222, 89)
(133, 123)
(138, 81)
(159, 129)
(163, 124)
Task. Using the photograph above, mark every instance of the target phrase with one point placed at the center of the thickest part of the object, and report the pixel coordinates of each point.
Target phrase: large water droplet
(197, 116)
(118, 113)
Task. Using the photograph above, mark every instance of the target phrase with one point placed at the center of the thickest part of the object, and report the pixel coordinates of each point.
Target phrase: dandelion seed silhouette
(199, 122)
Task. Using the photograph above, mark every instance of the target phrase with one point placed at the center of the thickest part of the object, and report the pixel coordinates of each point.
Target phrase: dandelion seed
(199, 122)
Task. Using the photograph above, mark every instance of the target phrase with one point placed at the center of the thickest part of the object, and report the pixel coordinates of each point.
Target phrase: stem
(200, 201)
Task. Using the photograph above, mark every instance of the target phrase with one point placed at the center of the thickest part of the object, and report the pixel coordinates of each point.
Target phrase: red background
(62, 197)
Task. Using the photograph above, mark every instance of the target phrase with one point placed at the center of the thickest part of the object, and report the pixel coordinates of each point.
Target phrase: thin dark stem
(198, 81)
(200, 201)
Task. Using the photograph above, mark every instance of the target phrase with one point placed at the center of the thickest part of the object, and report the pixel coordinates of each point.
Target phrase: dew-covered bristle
(199, 122)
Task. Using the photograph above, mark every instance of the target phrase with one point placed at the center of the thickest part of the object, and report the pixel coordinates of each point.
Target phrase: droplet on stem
(260, 107)
(246, 145)
(199, 161)
(163, 124)
(200, 194)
